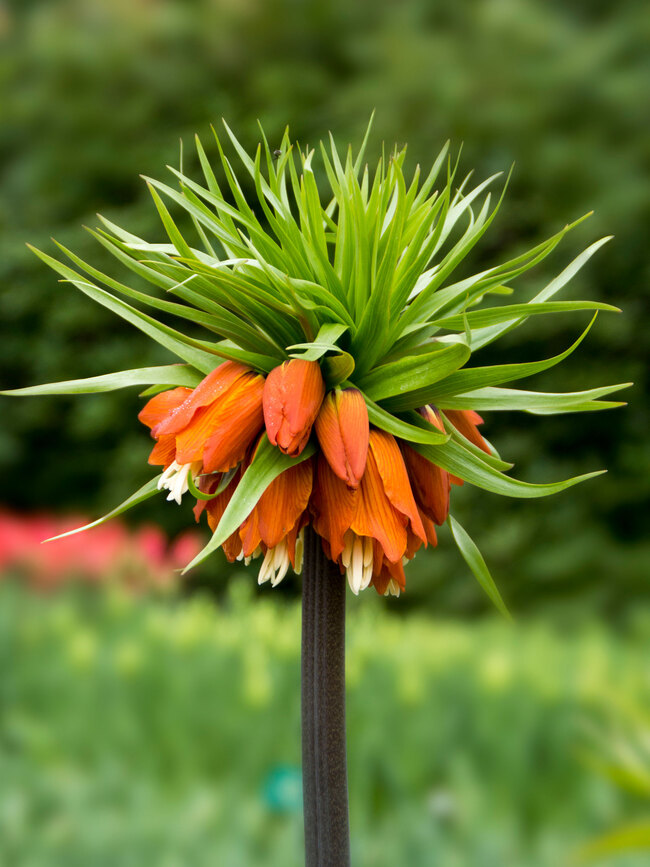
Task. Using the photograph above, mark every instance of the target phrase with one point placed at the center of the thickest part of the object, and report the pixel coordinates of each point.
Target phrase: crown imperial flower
(337, 383)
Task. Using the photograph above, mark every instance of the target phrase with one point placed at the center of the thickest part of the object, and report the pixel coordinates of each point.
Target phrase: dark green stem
(324, 765)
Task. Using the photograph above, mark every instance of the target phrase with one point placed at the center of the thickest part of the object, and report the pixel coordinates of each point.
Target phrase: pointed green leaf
(269, 462)
(410, 433)
(535, 402)
(473, 378)
(451, 456)
(476, 563)
(485, 336)
(144, 493)
(171, 339)
(325, 341)
(406, 383)
(505, 313)
(167, 375)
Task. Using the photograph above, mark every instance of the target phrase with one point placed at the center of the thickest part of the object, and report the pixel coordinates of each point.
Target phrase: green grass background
(158, 732)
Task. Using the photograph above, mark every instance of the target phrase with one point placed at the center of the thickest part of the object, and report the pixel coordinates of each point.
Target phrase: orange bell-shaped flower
(293, 393)
(343, 432)
(152, 414)
(274, 525)
(217, 421)
(376, 522)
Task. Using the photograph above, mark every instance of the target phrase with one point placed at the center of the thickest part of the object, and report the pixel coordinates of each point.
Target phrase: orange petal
(207, 485)
(293, 393)
(249, 533)
(429, 526)
(160, 405)
(206, 392)
(389, 570)
(279, 509)
(430, 484)
(220, 433)
(215, 508)
(342, 429)
(466, 422)
(164, 452)
(242, 421)
(375, 516)
(333, 505)
(392, 470)
(292, 538)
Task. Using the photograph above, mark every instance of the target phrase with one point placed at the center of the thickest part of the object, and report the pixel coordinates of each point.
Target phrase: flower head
(343, 388)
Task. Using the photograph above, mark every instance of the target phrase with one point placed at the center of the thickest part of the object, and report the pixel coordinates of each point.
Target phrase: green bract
(343, 264)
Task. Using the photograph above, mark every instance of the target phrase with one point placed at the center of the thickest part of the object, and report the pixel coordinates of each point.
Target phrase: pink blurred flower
(111, 552)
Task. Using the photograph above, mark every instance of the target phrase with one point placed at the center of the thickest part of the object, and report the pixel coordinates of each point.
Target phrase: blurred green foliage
(94, 92)
(620, 751)
(153, 731)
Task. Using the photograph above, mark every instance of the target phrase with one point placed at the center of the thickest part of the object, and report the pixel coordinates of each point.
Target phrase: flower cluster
(372, 499)
(329, 375)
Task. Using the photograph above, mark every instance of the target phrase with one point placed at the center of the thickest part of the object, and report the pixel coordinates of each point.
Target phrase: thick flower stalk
(332, 375)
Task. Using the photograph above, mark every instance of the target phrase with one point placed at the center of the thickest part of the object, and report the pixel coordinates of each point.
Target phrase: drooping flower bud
(343, 430)
(466, 422)
(293, 393)
(430, 483)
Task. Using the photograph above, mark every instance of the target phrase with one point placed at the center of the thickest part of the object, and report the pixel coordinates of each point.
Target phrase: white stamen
(299, 552)
(175, 479)
(355, 570)
(367, 551)
(275, 564)
(367, 562)
(393, 588)
(256, 553)
(346, 554)
(357, 558)
(282, 564)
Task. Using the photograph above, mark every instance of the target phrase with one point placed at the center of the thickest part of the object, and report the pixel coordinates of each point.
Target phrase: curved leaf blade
(406, 383)
(483, 337)
(534, 402)
(169, 374)
(269, 462)
(474, 559)
(451, 456)
(507, 312)
(411, 433)
(472, 378)
(173, 340)
(147, 491)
